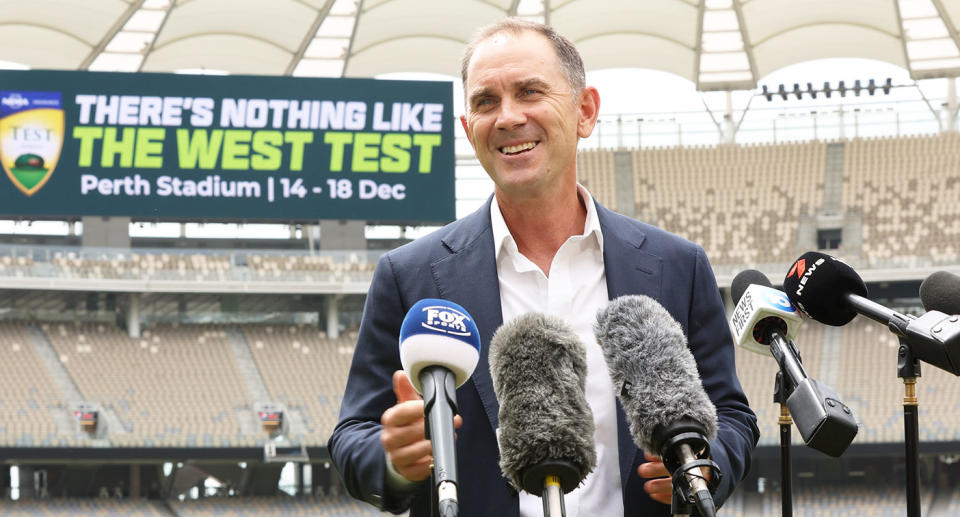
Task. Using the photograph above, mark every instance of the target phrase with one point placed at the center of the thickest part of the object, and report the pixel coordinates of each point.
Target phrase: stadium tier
(28, 397)
(856, 500)
(184, 265)
(175, 386)
(304, 370)
(896, 200)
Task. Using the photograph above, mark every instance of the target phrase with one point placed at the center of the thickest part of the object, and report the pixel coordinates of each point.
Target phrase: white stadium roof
(716, 44)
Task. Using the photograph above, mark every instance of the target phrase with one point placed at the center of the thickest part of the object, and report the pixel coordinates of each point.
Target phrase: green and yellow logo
(31, 137)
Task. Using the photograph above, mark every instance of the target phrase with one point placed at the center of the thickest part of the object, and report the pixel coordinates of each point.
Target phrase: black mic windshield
(650, 364)
(539, 368)
(941, 292)
(745, 279)
(819, 284)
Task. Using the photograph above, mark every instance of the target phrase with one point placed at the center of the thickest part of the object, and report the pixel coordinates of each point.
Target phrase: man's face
(522, 117)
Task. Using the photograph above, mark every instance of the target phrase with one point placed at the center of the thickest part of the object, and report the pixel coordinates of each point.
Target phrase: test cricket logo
(31, 137)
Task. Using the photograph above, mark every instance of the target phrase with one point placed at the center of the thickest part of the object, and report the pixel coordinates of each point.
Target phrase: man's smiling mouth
(519, 148)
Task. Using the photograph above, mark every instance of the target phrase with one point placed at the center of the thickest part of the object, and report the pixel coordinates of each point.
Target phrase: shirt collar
(502, 236)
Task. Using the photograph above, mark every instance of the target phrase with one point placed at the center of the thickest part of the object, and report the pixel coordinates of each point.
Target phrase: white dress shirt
(575, 290)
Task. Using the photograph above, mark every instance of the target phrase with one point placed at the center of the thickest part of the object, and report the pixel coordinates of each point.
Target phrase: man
(540, 244)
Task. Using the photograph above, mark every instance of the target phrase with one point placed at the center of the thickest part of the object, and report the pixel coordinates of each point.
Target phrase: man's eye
(530, 91)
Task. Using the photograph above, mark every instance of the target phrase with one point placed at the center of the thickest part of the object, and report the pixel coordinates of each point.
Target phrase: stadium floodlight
(767, 93)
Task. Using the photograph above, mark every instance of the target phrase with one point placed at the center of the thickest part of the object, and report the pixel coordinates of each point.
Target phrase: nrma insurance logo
(31, 137)
(446, 319)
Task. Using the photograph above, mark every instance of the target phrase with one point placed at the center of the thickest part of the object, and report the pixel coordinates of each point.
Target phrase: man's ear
(466, 129)
(588, 109)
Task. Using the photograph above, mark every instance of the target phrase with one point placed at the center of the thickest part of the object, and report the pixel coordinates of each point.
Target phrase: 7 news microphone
(831, 292)
(764, 321)
(439, 349)
(539, 367)
(662, 396)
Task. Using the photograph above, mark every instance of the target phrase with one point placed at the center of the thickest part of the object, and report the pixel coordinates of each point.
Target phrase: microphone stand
(786, 462)
(908, 369)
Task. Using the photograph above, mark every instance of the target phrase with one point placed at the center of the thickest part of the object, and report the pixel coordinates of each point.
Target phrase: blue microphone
(439, 349)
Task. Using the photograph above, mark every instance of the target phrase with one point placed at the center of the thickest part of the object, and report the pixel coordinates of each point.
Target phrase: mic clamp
(684, 449)
(681, 473)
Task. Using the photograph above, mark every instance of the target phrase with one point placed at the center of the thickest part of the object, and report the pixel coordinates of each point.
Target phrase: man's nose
(511, 114)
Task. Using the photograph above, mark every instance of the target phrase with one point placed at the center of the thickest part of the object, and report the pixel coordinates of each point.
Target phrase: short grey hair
(570, 61)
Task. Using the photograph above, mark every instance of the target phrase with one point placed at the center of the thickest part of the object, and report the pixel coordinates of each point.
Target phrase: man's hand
(661, 487)
(403, 435)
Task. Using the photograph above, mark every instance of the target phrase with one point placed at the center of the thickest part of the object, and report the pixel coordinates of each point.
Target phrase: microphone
(941, 292)
(439, 349)
(831, 292)
(660, 390)
(539, 367)
(762, 307)
(764, 321)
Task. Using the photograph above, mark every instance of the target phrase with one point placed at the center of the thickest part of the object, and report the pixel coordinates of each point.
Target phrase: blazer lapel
(468, 276)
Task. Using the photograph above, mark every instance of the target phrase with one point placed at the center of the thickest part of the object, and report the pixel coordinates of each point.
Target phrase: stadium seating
(27, 394)
(87, 507)
(175, 386)
(333, 506)
(857, 499)
(188, 265)
(907, 191)
(304, 370)
(741, 203)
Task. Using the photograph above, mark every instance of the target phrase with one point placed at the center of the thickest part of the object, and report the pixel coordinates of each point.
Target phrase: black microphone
(941, 292)
(660, 390)
(764, 321)
(439, 349)
(831, 292)
(539, 368)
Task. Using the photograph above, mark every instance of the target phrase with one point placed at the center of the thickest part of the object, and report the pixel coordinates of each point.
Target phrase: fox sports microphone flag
(439, 333)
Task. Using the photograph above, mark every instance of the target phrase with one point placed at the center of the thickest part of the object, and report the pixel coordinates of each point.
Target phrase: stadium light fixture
(871, 88)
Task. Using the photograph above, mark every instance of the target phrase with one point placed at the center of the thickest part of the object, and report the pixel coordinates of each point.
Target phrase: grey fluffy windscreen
(539, 368)
(652, 369)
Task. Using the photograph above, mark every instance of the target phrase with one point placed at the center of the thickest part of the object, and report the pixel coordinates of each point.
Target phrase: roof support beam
(353, 37)
(903, 37)
(108, 37)
(698, 46)
(153, 42)
(311, 34)
(747, 45)
(945, 16)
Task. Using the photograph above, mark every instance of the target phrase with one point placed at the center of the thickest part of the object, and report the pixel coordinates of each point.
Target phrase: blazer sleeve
(712, 346)
(355, 446)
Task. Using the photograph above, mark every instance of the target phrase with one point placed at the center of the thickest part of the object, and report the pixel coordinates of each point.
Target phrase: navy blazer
(457, 263)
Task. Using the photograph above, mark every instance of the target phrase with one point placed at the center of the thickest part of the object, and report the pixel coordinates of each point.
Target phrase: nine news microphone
(765, 322)
(661, 393)
(539, 368)
(941, 292)
(831, 292)
(439, 349)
